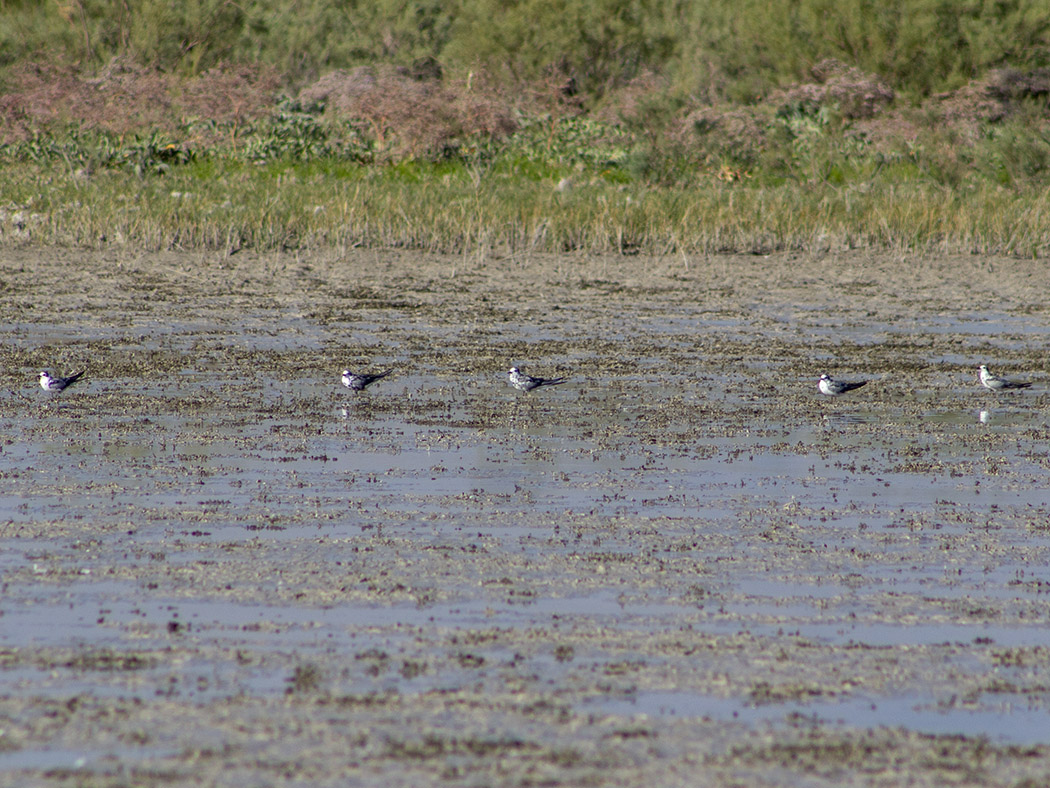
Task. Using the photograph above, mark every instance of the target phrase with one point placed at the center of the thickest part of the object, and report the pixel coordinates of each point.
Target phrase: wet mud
(684, 566)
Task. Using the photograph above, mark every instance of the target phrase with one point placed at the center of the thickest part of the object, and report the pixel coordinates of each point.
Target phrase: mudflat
(684, 566)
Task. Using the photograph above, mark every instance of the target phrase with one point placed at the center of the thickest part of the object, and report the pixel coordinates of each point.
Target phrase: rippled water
(857, 521)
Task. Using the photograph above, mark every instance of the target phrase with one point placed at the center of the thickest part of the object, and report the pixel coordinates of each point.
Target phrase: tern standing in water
(523, 382)
(50, 383)
(996, 383)
(359, 382)
(834, 388)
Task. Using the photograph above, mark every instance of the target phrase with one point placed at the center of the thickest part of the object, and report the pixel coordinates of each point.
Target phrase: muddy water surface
(684, 566)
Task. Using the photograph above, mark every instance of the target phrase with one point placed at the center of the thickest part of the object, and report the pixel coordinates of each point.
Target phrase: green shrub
(708, 49)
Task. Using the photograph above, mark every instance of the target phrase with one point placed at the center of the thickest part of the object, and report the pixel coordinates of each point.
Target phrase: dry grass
(464, 213)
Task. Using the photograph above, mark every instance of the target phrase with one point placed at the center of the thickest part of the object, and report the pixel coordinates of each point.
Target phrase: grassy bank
(615, 126)
(454, 209)
(550, 185)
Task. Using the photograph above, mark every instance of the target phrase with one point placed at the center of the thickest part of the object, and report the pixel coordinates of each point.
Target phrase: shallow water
(209, 489)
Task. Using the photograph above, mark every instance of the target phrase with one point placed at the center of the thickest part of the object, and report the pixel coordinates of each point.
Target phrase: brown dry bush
(231, 94)
(956, 120)
(411, 113)
(124, 98)
(852, 92)
(959, 117)
(736, 132)
(993, 99)
(1010, 84)
(633, 103)
(741, 132)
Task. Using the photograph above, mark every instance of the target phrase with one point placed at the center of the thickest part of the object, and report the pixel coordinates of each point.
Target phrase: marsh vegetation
(628, 127)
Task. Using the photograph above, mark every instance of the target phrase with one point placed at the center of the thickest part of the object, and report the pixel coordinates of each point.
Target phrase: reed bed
(230, 207)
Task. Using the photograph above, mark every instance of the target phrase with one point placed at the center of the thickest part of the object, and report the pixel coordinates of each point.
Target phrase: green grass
(735, 49)
(289, 181)
(453, 208)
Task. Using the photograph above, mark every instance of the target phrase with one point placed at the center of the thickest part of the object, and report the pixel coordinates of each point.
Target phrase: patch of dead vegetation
(126, 98)
(847, 91)
(868, 107)
(853, 92)
(413, 111)
(992, 99)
